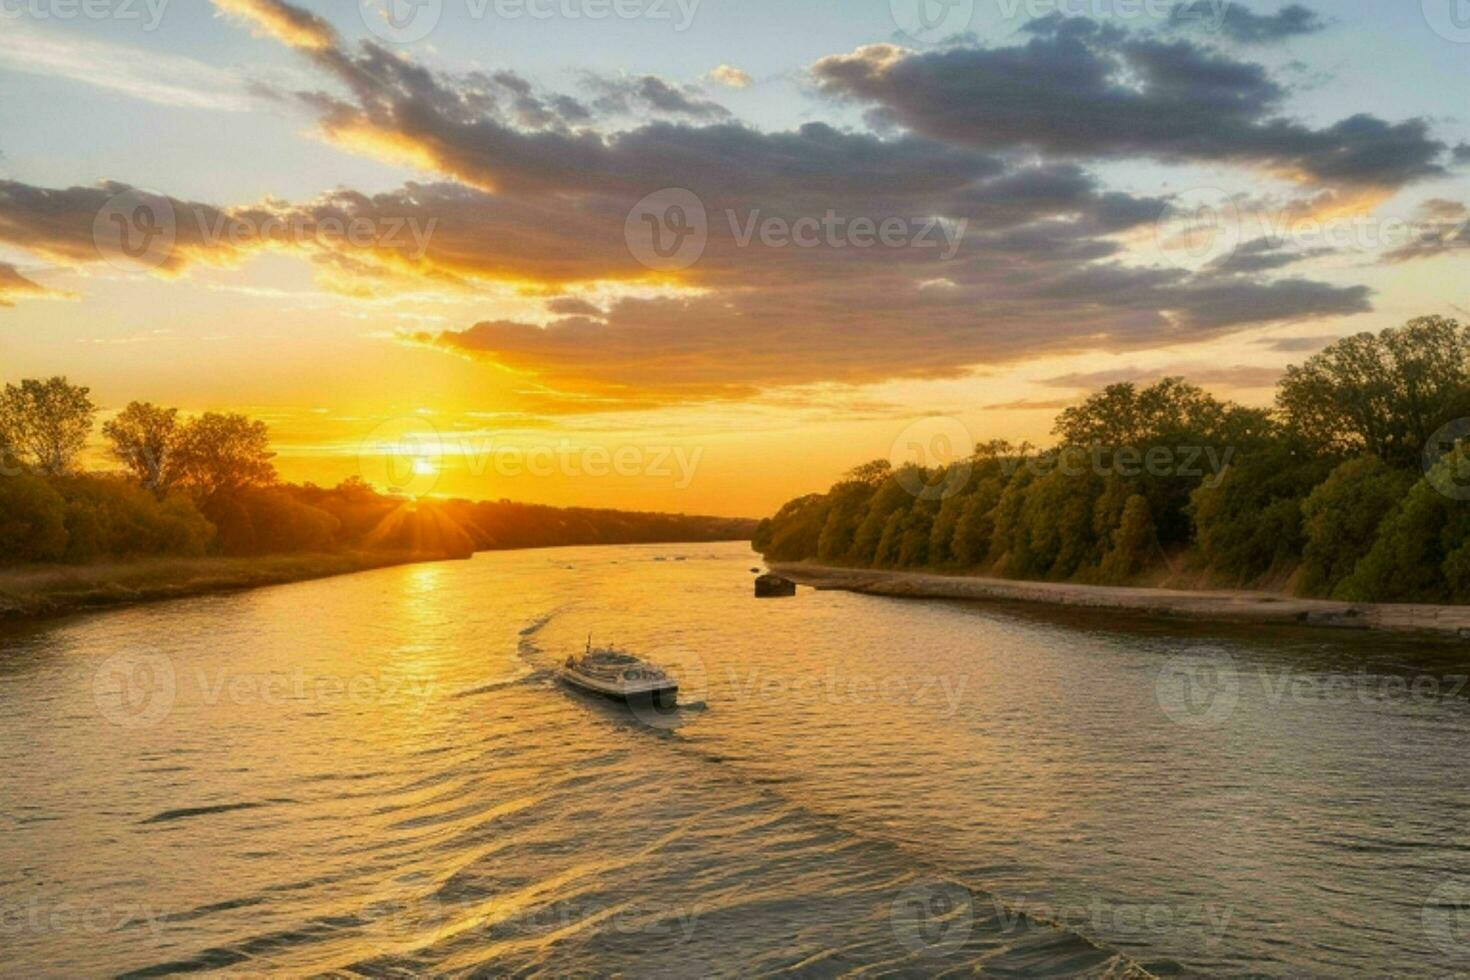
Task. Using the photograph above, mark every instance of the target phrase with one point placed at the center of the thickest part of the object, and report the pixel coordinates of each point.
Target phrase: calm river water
(378, 775)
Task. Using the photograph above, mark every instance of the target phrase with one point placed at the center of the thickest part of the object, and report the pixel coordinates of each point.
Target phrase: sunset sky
(376, 239)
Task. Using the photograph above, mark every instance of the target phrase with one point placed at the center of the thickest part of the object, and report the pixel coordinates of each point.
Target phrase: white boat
(620, 676)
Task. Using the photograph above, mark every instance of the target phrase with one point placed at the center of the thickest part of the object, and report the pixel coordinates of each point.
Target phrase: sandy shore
(1209, 606)
(29, 592)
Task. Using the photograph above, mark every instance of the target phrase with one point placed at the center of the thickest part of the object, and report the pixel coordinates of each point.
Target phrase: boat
(620, 676)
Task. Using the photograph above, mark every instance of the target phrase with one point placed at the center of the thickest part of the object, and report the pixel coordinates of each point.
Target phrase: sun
(423, 466)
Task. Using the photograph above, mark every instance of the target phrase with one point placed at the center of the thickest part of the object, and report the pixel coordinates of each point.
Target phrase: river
(378, 774)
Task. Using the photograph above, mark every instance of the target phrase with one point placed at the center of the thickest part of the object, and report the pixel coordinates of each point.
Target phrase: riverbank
(29, 592)
(1203, 605)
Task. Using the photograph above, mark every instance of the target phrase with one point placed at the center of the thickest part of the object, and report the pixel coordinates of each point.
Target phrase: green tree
(46, 423)
(1341, 518)
(1421, 552)
(975, 529)
(1383, 394)
(1249, 523)
(890, 497)
(143, 437)
(1132, 542)
(32, 520)
(216, 456)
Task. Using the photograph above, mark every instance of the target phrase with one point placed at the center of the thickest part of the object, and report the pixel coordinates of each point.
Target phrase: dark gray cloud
(1079, 89)
(1242, 25)
(539, 196)
(1264, 255)
(1441, 226)
(649, 93)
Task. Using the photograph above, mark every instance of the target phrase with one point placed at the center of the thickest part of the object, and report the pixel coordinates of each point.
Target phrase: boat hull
(659, 695)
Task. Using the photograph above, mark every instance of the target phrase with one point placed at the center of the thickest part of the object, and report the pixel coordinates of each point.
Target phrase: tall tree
(219, 455)
(1383, 394)
(46, 423)
(143, 438)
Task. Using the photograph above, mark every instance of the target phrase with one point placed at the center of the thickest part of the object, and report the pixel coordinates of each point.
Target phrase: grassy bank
(1207, 605)
(50, 590)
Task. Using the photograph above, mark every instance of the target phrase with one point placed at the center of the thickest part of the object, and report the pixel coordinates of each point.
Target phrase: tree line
(195, 486)
(1354, 486)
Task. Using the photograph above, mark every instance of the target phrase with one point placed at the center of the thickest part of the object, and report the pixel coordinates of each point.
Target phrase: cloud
(1082, 90)
(1027, 405)
(729, 76)
(1265, 255)
(1234, 376)
(149, 76)
(13, 285)
(283, 21)
(1243, 26)
(1298, 345)
(533, 191)
(1440, 226)
(650, 93)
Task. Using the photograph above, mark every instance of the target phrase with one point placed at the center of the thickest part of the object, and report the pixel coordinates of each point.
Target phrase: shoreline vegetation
(45, 591)
(1351, 496)
(196, 506)
(1201, 605)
